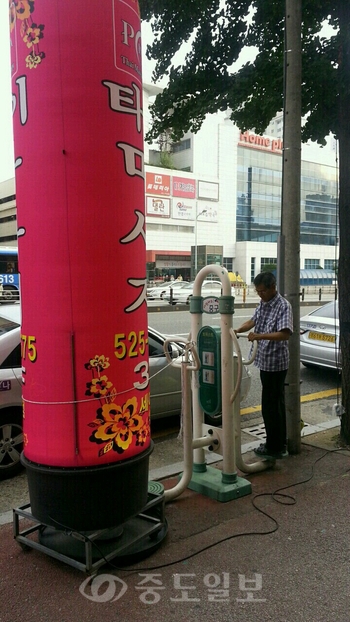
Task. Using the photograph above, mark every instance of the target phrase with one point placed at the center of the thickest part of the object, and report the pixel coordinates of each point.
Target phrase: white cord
(91, 399)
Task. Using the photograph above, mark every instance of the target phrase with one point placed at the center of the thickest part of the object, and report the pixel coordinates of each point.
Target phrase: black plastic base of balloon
(136, 539)
(91, 498)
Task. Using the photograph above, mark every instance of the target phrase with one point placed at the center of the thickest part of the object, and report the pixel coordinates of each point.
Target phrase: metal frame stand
(223, 485)
(220, 485)
(134, 540)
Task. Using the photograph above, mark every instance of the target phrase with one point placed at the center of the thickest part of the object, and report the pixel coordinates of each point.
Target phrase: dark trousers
(273, 409)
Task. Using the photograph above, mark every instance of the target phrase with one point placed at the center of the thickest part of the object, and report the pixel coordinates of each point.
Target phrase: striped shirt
(271, 317)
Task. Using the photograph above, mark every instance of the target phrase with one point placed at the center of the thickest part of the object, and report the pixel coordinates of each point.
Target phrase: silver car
(319, 337)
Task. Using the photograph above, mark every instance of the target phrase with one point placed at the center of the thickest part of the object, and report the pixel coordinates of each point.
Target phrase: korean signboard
(158, 206)
(184, 187)
(158, 184)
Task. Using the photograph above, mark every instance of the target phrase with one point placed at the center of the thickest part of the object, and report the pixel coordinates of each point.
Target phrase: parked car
(11, 436)
(162, 289)
(319, 337)
(183, 295)
(165, 386)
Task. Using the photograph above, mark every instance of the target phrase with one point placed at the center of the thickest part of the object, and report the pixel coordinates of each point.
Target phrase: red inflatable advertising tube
(78, 129)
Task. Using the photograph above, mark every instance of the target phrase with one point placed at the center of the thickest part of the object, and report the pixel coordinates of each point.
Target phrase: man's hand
(248, 325)
(254, 337)
(280, 335)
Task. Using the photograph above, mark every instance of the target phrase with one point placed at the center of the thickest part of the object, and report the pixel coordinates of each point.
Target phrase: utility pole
(204, 211)
(289, 243)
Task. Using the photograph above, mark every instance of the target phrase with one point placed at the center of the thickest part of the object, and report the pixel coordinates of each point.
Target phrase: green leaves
(215, 33)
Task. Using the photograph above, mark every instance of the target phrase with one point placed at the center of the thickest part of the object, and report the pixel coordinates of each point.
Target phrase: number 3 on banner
(144, 369)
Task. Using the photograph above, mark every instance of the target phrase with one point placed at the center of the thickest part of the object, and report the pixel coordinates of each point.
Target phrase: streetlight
(204, 211)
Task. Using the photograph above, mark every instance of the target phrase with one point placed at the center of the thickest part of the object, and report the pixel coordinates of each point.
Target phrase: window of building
(331, 264)
(311, 264)
(175, 228)
(227, 262)
(252, 269)
(8, 199)
(259, 182)
(8, 238)
(7, 218)
(268, 262)
(182, 145)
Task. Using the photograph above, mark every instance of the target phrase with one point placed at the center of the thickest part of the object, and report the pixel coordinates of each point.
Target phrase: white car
(11, 436)
(320, 337)
(183, 295)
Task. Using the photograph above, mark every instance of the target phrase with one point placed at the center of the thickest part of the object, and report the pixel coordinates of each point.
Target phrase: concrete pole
(195, 247)
(204, 211)
(290, 219)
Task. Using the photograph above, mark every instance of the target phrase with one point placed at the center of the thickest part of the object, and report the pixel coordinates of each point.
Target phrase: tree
(217, 31)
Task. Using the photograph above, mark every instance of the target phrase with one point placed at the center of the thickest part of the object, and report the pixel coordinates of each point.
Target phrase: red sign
(158, 184)
(249, 139)
(184, 187)
(80, 195)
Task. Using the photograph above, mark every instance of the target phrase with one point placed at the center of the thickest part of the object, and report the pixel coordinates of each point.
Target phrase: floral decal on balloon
(116, 426)
(30, 31)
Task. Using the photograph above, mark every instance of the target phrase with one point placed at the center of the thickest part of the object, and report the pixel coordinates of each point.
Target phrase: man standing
(273, 324)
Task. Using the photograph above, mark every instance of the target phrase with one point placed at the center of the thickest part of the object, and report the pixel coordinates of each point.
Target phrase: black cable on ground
(277, 496)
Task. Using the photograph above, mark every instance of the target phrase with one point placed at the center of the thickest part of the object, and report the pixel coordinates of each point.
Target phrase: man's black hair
(265, 278)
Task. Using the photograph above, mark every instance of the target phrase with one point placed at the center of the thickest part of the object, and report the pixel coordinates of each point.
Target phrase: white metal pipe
(198, 415)
(229, 462)
(211, 269)
(187, 436)
(204, 441)
(228, 424)
(260, 465)
(254, 467)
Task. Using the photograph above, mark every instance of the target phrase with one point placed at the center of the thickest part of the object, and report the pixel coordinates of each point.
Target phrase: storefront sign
(207, 212)
(184, 187)
(175, 263)
(158, 184)
(208, 190)
(184, 210)
(157, 206)
(249, 139)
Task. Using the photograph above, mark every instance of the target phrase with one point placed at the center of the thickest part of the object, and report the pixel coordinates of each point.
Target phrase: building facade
(8, 221)
(221, 201)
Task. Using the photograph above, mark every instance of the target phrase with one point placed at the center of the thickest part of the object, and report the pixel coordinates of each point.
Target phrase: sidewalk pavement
(279, 554)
